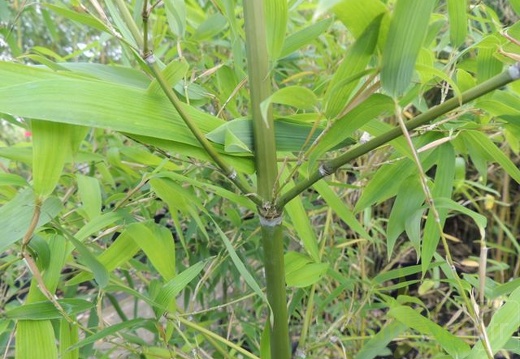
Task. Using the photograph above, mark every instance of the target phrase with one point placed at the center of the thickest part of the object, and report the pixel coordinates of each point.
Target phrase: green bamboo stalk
(327, 168)
(267, 173)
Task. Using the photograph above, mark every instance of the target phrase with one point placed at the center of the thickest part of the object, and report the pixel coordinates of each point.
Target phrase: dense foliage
(122, 235)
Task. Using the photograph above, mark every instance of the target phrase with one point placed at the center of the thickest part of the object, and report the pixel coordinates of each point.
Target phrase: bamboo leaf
(304, 36)
(46, 310)
(457, 14)
(98, 224)
(158, 245)
(486, 149)
(69, 336)
(303, 228)
(124, 108)
(89, 192)
(301, 271)
(453, 345)
(103, 333)
(344, 127)
(295, 96)
(354, 63)
(176, 15)
(340, 208)
(11, 179)
(276, 16)
(377, 343)
(120, 252)
(97, 268)
(51, 147)
(239, 265)
(356, 15)
(383, 186)
(290, 135)
(405, 37)
(409, 200)
(173, 73)
(173, 287)
(35, 340)
(82, 18)
(443, 186)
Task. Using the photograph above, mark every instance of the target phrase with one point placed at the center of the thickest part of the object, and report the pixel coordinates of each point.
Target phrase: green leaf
(47, 310)
(35, 340)
(457, 14)
(486, 149)
(405, 37)
(239, 265)
(82, 18)
(443, 187)
(303, 228)
(118, 107)
(99, 223)
(295, 96)
(409, 200)
(16, 215)
(103, 333)
(347, 76)
(120, 252)
(344, 127)
(97, 268)
(89, 192)
(173, 73)
(157, 243)
(453, 345)
(276, 16)
(377, 343)
(340, 208)
(384, 185)
(301, 271)
(173, 287)
(51, 147)
(214, 25)
(304, 36)
(356, 15)
(69, 336)
(176, 15)
(290, 135)
(11, 179)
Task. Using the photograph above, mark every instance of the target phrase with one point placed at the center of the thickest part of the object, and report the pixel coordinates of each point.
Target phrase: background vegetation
(121, 237)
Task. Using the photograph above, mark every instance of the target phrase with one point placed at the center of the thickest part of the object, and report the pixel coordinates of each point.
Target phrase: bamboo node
(514, 71)
(324, 170)
(233, 175)
(150, 59)
(270, 221)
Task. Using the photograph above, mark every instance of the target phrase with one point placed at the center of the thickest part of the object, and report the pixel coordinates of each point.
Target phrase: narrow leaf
(304, 36)
(98, 269)
(376, 344)
(47, 310)
(172, 288)
(158, 245)
(406, 34)
(35, 340)
(453, 345)
(458, 18)
(51, 147)
(89, 192)
(276, 16)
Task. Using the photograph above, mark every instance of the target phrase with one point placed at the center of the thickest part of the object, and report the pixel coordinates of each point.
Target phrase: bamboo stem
(267, 174)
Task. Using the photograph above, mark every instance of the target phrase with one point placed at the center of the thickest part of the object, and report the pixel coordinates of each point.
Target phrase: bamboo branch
(327, 168)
